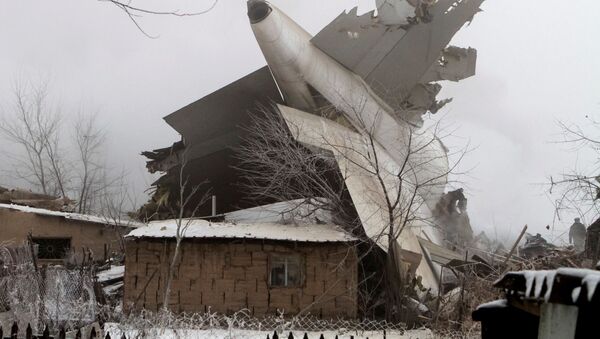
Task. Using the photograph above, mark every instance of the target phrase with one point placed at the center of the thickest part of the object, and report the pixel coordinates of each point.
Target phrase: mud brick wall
(16, 225)
(229, 275)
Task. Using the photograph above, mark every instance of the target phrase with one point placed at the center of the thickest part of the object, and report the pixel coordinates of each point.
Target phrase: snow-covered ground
(116, 332)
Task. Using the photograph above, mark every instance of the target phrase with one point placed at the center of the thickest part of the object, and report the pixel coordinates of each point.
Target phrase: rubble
(535, 246)
(111, 281)
(37, 200)
(451, 211)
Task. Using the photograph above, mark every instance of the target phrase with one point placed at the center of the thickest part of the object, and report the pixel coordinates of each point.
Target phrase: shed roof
(71, 216)
(268, 231)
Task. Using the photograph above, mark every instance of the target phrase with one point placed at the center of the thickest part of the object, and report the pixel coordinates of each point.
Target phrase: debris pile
(37, 200)
(474, 280)
(111, 280)
(535, 246)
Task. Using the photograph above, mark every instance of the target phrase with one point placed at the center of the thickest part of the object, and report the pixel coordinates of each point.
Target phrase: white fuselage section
(296, 62)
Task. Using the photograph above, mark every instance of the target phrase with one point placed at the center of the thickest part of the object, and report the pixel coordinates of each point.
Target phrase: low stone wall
(229, 275)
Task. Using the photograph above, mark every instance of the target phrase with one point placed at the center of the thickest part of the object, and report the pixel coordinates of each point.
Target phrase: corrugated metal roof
(72, 216)
(268, 231)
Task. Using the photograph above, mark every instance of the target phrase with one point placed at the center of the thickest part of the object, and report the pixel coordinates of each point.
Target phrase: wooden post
(33, 256)
(214, 205)
(462, 293)
(512, 250)
(14, 330)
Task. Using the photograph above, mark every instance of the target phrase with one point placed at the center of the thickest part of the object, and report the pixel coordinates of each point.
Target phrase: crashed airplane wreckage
(380, 72)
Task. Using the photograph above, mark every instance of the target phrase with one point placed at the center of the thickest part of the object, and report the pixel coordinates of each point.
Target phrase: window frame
(34, 239)
(286, 255)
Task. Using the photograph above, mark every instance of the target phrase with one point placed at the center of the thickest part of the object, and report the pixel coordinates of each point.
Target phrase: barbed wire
(243, 320)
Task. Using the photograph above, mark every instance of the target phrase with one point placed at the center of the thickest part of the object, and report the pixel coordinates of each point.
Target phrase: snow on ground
(116, 332)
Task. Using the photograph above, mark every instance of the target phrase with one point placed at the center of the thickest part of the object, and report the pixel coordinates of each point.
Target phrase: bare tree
(91, 176)
(46, 159)
(116, 204)
(578, 189)
(187, 195)
(278, 167)
(134, 13)
(34, 126)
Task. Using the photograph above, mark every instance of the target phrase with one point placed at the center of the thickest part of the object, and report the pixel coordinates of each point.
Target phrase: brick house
(61, 237)
(227, 267)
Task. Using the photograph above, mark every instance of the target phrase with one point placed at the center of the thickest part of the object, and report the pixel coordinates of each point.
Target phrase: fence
(53, 295)
(62, 333)
(93, 334)
(242, 324)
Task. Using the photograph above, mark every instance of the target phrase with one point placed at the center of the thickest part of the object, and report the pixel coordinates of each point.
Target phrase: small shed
(62, 236)
(225, 267)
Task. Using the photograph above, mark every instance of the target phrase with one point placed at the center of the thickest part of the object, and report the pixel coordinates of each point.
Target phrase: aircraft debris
(379, 73)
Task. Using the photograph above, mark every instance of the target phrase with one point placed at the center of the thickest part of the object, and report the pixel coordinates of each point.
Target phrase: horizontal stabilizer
(394, 59)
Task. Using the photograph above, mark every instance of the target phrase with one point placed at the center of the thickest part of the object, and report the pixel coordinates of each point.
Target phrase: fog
(537, 65)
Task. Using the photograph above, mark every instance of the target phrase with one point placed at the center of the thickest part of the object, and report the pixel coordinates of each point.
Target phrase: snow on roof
(71, 216)
(299, 210)
(272, 231)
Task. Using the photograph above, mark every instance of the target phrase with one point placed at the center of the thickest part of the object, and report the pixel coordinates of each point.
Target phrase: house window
(285, 270)
(52, 248)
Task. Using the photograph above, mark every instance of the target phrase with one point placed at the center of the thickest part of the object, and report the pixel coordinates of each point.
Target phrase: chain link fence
(52, 295)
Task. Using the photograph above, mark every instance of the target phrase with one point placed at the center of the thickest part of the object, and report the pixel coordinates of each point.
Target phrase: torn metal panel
(394, 12)
(419, 48)
(162, 159)
(440, 254)
(390, 58)
(352, 39)
(422, 98)
(455, 64)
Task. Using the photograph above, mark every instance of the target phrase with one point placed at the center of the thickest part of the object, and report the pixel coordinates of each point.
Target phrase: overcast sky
(537, 64)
